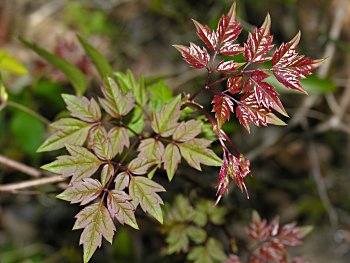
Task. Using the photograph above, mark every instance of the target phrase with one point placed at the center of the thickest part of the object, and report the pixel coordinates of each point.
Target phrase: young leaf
(96, 222)
(195, 56)
(122, 181)
(140, 165)
(119, 139)
(101, 63)
(222, 107)
(68, 131)
(196, 152)
(171, 159)
(165, 122)
(144, 192)
(83, 191)
(101, 143)
(151, 149)
(160, 95)
(82, 108)
(265, 93)
(208, 36)
(187, 130)
(72, 73)
(249, 110)
(228, 28)
(228, 66)
(288, 67)
(230, 49)
(80, 164)
(116, 103)
(234, 84)
(259, 43)
(106, 173)
(118, 203)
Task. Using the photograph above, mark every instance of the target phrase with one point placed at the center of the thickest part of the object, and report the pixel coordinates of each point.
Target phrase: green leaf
(82, 192)
(68, 131)
(215, 250)
(165, 122)
(177, 239)
(171, 159)
(118, 203)
(151, 149)
(106, 173)
(11, 64)
(72, 73)
(160, 95)
(140, 165)
(101, 143)
(199, 254)
(128, 82)
(96, 222)
(122, 181)
(144, 192)
(82, 108)
(116, 103)
(101, 63)
(119, 139)
(197, 235)
(187, 130)
(80, 164)
(196, 153)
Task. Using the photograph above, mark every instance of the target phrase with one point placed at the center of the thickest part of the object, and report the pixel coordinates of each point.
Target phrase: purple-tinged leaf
(81, 163)
(144, 192)
(249, 110)
(67, 131)
(118, 203)
(208, 36)
(195, 56)
(82, 192)
(187, 130)
(165, 122)
(288, 67)
(107, 173)
(151, 149)
(222, 107)
(122, 181)
(223, 181)
(259, 43)
(234, 84)
(140, 165)
(116, 103)
(265, 93)
(82, 108)
(171, 159)
(101, 143)
(195, 152)
(228, 66)
(119, 139)
(230, 49)
(228, 28)
(96, 222)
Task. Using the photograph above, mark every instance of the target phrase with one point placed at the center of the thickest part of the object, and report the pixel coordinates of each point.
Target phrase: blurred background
(300, 172)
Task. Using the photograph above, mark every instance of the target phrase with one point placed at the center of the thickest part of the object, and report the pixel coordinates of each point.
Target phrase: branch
(31, 183)
(19, 166)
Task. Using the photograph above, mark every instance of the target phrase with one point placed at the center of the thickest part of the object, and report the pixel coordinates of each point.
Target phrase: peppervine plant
(117, 142)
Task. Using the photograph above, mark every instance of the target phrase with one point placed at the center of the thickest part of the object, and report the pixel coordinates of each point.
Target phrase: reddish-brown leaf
(234, 84)
(228, 66)
(228, 27)
(230, 49)
(208, 36)
(288, 67)
(265, 93)
(222, 107)
(259, 43)
(223, 182)
(249, 110)
(195, 56)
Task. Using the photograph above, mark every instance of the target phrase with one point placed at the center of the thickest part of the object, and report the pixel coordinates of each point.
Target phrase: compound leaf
(196, 153)
(195, 56)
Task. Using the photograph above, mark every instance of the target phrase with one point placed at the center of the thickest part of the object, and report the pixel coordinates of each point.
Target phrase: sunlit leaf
(107, 173)
(195, 56)
(11, 64)
(187, 130)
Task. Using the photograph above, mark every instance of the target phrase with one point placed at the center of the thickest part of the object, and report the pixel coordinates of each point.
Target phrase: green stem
(26, 110)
